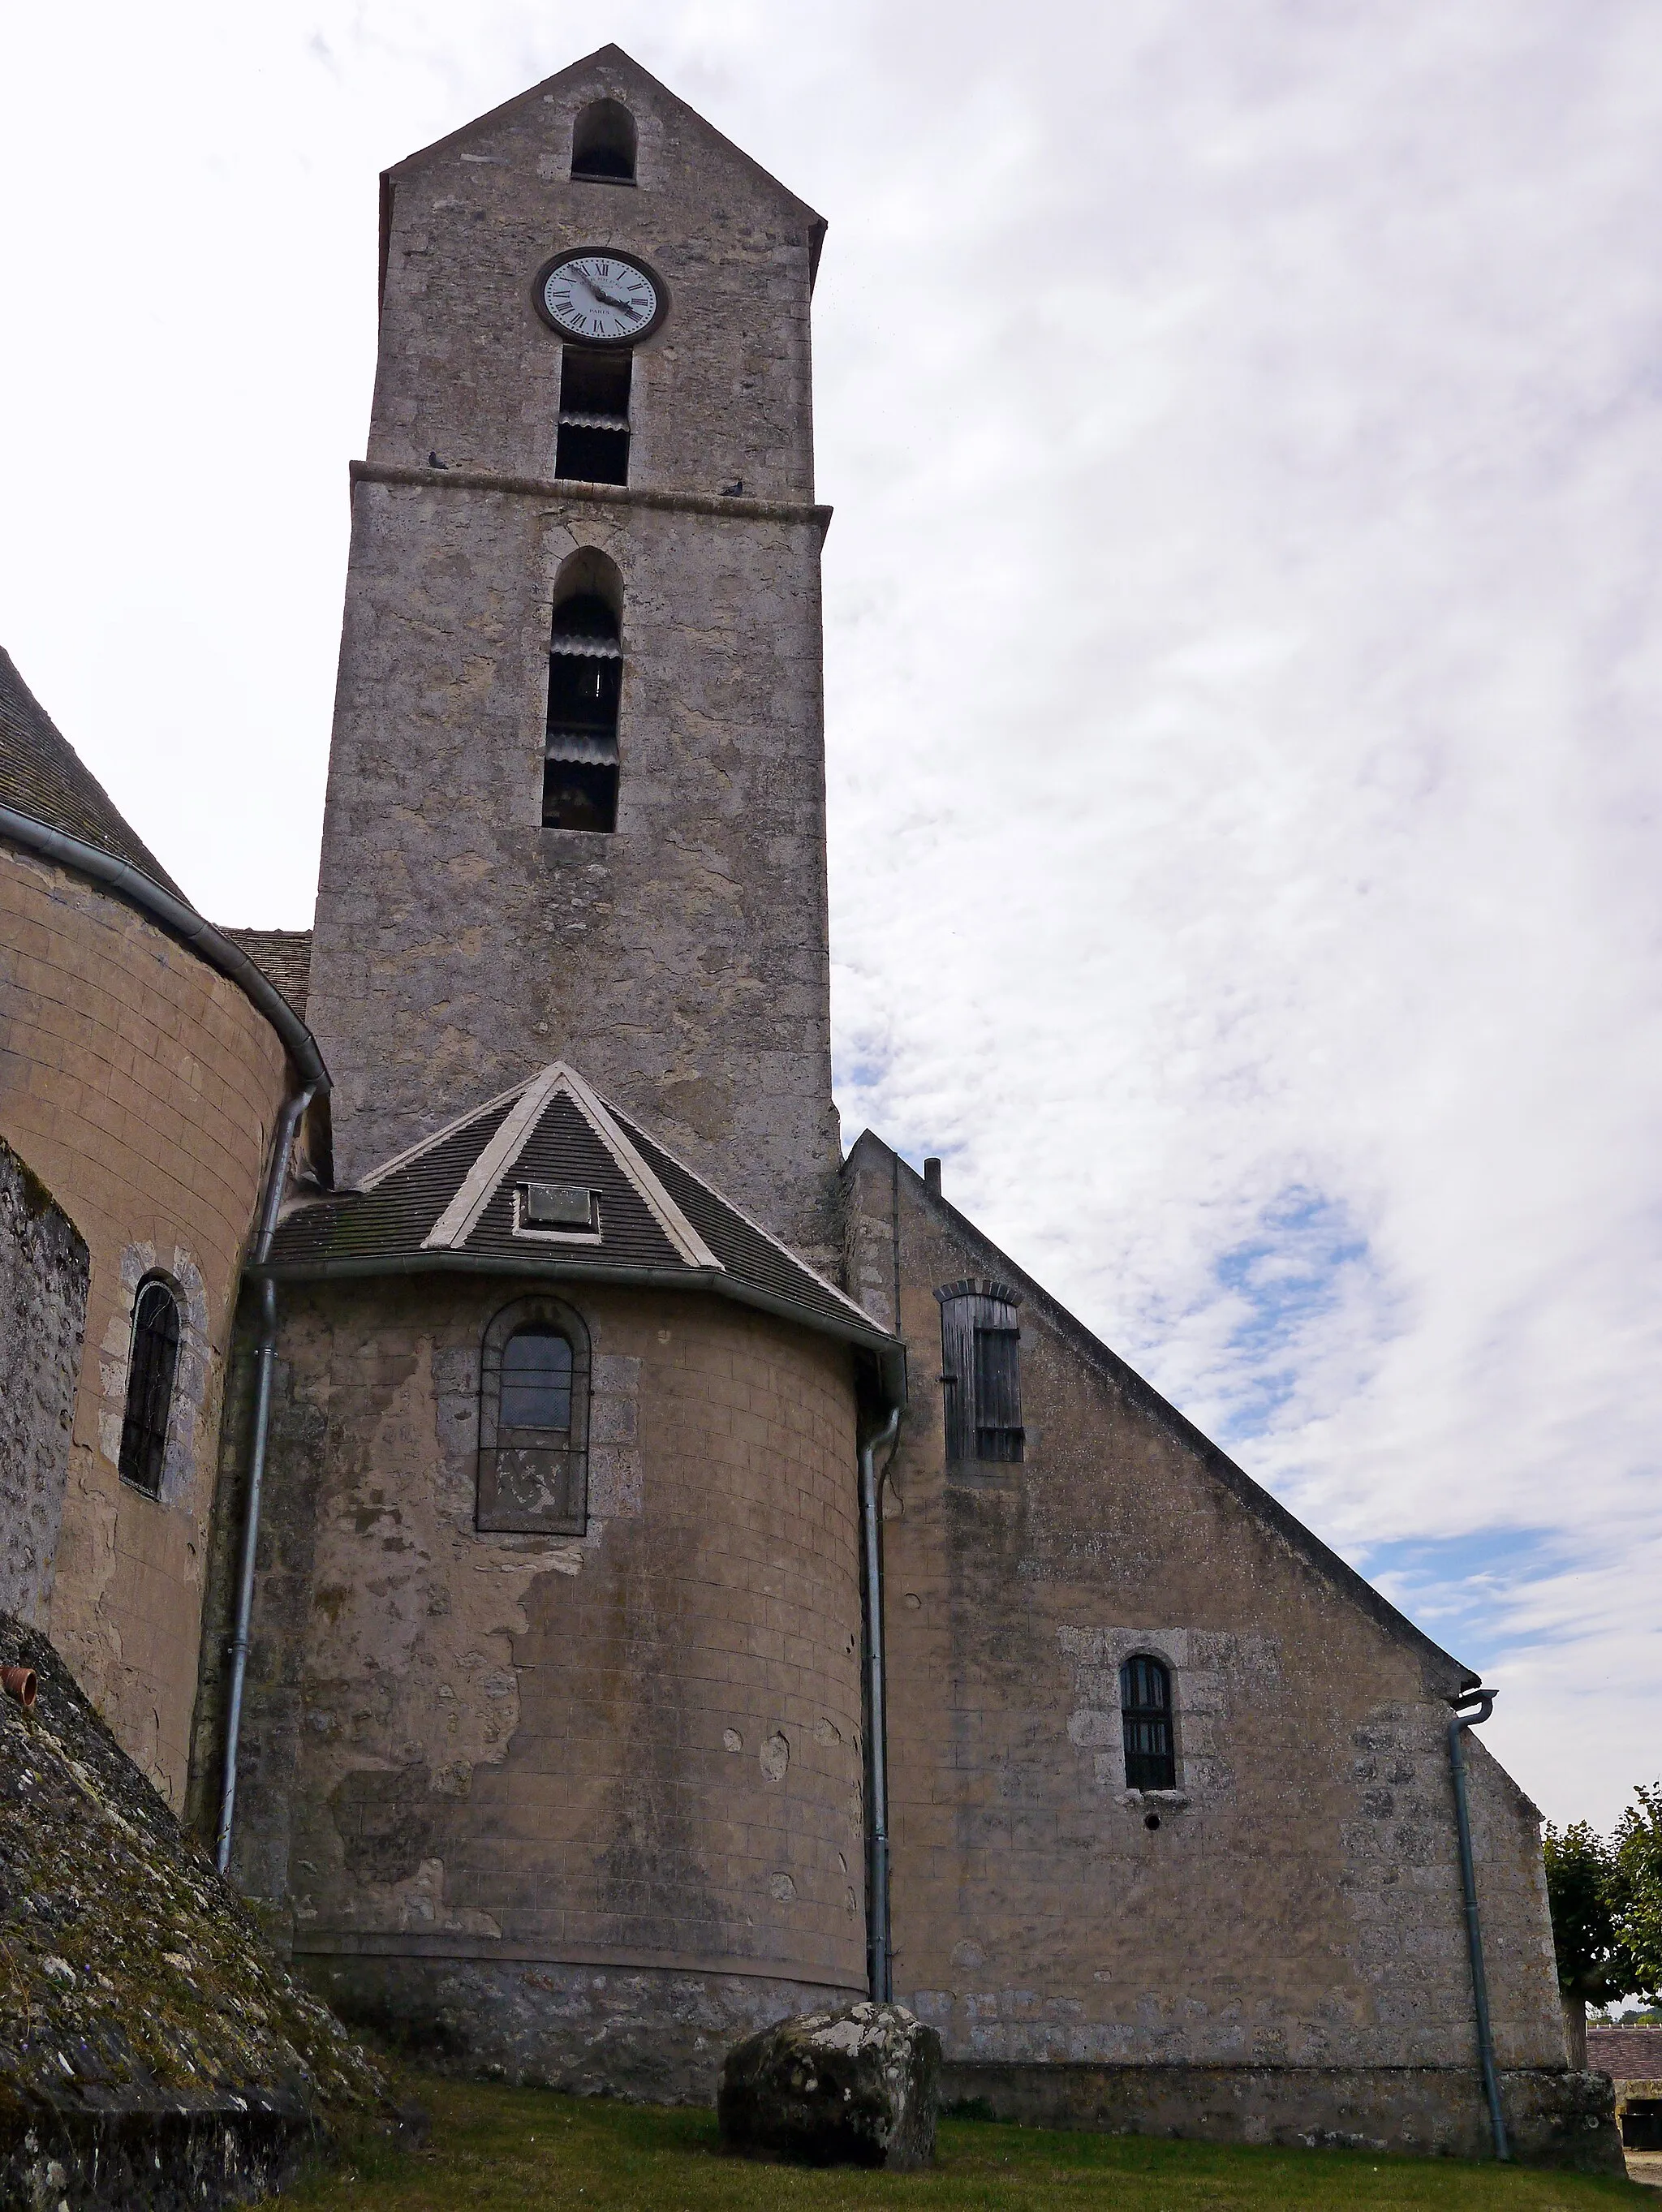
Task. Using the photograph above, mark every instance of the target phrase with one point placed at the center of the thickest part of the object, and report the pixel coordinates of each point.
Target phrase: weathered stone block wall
(142, 1088)
(682, 964)
(507, 1786)
(44, 1266)
(1298, 1904)
(1553, 2118)
(468, 370)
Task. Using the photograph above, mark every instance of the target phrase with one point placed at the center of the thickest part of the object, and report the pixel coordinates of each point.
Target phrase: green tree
(1581, 1888)
(1606, 1899)
(1636, 1891)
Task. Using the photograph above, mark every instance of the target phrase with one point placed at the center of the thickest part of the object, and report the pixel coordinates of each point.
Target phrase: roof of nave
(43, 778)
(869, 1150)
(52, 805)
(463, 1199)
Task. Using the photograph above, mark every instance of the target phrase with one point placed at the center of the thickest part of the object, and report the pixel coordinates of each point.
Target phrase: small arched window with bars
(981, 1370)
(151, 1370)
(1144, 1700)
(533, 1420)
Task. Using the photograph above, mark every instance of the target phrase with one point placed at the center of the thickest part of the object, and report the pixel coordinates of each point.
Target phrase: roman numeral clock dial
(600, 298)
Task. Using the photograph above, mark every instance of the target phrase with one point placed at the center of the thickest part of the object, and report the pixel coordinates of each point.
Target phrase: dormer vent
(557, 1205)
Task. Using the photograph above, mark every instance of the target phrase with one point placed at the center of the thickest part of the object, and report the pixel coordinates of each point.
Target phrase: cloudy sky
(1244, 422)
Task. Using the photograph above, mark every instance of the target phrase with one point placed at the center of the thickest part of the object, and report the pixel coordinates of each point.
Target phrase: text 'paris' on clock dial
(600, 298)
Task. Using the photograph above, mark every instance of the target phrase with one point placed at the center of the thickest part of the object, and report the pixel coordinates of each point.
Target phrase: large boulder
(857, 2087)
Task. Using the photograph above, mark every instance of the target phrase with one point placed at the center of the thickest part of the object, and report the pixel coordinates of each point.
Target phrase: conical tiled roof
(550, 1180)
(42, 777)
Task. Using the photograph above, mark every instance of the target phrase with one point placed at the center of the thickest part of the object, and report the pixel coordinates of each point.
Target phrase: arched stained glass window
(1145, 1698)
(151, 1369)
(537, 1382)
(533, 1420)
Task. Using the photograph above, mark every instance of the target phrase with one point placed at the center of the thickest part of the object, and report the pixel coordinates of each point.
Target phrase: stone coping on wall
(736, 508)
(1554, 2118)
(375, 1943)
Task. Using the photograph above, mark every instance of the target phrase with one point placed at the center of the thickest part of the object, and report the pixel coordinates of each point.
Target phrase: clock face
(600, 297)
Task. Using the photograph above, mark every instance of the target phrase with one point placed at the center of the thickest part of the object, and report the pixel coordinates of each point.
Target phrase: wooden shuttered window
(981, 1370)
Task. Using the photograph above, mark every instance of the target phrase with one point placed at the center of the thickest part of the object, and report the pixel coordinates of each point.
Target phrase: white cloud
(1242, 666)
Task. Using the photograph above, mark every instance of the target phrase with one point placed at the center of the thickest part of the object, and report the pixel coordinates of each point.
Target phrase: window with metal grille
(536, 1382)
(534, 1419)
(585, 688)
(150, 1373)
(1145, 1702)
(981, 1370)
(591, 444)
(603, 140)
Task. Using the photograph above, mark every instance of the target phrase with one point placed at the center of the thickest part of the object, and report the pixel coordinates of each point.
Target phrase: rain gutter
(1459, 1721)
(880, 1949)
(264, 1361)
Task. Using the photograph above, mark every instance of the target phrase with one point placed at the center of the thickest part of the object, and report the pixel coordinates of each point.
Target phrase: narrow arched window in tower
(603, 144)
(591, 444)
(1145, 1704)
(150, 1372)
(534, 1419)
(981, 1370)
(585, 689)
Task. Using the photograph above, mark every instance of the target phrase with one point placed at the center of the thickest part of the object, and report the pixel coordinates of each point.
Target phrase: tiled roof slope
(1626, 2054)
(42, 777)
(454, 1202)
(283, 957)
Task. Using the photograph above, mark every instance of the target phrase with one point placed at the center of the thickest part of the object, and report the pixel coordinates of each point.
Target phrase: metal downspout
(877, 1949)
(1459, 1721)
(265, 1359)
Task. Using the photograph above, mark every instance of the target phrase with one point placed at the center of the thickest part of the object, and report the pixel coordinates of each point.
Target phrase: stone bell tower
(576, 790)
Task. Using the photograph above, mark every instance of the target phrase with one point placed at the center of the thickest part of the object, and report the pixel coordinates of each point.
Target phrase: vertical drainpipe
(264, 1361)
(878, 1951)
(1459, 1721)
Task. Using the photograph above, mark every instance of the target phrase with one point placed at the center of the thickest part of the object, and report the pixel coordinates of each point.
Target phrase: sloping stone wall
(153, 2052)
(44, 1269)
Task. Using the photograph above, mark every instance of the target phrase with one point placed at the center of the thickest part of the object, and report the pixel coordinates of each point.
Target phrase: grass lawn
(496, 2150)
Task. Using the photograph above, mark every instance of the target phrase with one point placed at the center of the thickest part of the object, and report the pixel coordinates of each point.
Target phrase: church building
(605, 1568)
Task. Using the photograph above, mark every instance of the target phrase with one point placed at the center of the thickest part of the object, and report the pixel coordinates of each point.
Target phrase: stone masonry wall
(142, 1088)
(562, 1771)
(1298, 1903)
(44, 1266)
(682, 963)
(722, 392)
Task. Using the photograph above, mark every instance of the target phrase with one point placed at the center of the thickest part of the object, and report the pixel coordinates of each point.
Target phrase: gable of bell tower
(576, 790)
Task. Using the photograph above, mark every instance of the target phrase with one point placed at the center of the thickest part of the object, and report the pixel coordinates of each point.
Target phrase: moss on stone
(133, 1980)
